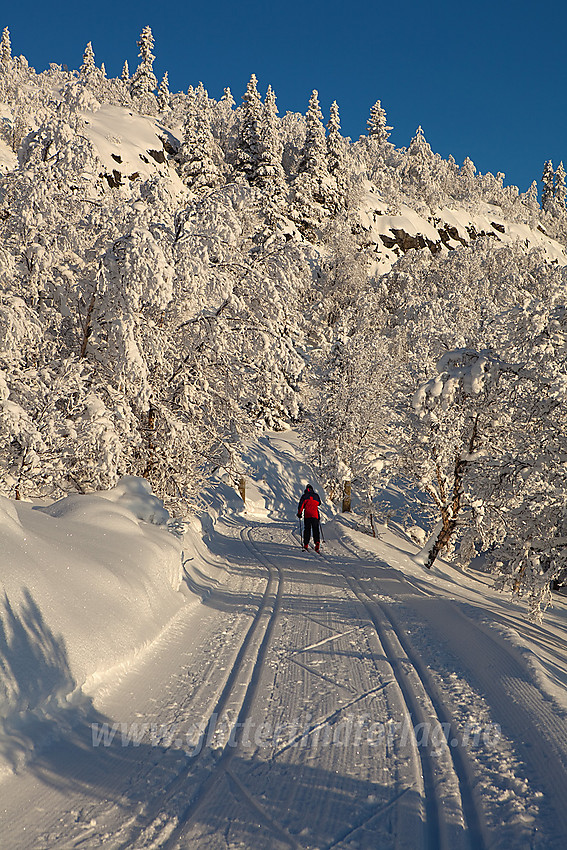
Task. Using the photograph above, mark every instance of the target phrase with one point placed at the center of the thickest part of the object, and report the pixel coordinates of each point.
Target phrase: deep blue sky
(484, 79)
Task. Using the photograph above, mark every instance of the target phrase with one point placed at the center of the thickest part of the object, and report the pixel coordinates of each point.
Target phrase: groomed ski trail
(292, 706)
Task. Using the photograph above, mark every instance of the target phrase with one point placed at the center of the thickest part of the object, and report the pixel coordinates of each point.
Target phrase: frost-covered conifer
(163, 93)
(335, 142)
(313, 187)
(314, 162)
(378, 130)
(531, 197)
(199, 156)
(249, 131)
(559, 189)
(125, 76)
(5, 47)
(144, 81)
(227, 98)
(88, 68)
(548, 180)
(269, 173)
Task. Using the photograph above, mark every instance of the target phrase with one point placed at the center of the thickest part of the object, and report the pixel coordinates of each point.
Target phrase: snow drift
(86, 583)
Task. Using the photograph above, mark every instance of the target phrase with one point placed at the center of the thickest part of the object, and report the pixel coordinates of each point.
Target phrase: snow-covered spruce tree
(548, 181)
(249, 133)
(125, 76)
(337, 157)
(530, 198)
(269, 174)
(335, 142)
(314, 162)
(223, 121)
(164, 94)
(144, 82)
(88, 69)
(5, 47)
(313, 185)
(559, 189)
(378, 130)
(199, 156)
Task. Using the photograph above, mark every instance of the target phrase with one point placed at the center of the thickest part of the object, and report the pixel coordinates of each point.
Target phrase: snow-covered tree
(378, 130)
(335, 142)
(199, 156)
(314, 162)
(227, 98)
(88, 68)
(249, 132)
(346, 426)
(452, 418)
(144, 81)
(163, 93)
(548, 180)
(269, 173)
(5, 47)
(313, 186)
(125, 76)
(559, 189)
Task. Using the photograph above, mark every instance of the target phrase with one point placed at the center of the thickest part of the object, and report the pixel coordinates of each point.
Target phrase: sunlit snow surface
(113, 626)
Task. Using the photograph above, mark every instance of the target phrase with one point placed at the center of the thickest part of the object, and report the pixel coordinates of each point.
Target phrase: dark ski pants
(311, 527)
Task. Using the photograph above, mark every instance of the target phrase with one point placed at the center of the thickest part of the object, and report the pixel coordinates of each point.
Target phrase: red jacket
(309, 503)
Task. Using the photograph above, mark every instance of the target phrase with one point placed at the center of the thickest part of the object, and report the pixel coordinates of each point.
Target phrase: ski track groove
(146, 819)
(191, 810)
(407, 833)
(439, 834)
(517, 702)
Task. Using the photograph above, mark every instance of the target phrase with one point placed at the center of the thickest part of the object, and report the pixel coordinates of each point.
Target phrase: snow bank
(86, 582)
(129, 144)
(459, 226)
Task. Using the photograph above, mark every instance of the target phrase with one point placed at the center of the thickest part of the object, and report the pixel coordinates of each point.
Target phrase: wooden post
(346, 496)
(242, 488)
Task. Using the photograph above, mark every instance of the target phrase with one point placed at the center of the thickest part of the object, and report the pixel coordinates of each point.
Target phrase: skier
(309, 506)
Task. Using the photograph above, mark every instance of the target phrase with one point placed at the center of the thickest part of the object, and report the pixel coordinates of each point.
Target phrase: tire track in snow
(453, 821)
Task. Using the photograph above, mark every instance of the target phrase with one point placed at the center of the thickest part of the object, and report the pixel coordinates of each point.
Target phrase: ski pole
(321, 530)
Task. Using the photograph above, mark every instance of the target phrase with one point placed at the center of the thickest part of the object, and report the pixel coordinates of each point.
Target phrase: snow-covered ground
(228, 690)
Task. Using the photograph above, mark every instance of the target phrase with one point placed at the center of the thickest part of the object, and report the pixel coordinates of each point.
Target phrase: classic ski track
(147, 819)
(425, 706)
(410, 814)
(222, 766)
(511, 698)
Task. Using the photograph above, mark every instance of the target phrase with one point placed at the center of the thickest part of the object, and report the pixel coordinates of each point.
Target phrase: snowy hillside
(180, 274)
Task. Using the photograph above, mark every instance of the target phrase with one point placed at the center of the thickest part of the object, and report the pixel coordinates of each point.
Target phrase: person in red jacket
(309, 507)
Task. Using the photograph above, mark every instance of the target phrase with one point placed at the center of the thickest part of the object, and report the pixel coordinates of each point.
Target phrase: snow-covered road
(307, 701)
